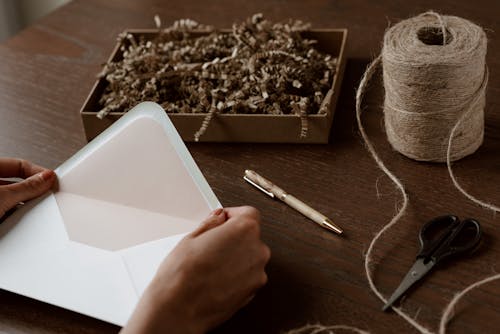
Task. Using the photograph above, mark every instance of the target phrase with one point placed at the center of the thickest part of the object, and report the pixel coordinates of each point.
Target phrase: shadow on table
(276, 307)
(344, 121)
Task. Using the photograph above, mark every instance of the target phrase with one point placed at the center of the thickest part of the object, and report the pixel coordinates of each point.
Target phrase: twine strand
(457, 185)
(370, 71)
(475, 138)
(318, 329)
(421, 128)
(441, 23)
(448, 311)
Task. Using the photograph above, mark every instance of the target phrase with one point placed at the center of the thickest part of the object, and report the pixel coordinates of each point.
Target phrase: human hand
(213, 272)
(38, 180)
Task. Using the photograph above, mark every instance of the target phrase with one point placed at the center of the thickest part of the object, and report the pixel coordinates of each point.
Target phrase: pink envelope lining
(107, 202)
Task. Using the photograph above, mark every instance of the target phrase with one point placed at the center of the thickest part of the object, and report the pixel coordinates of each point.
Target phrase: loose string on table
(475, 104)
(435, 79)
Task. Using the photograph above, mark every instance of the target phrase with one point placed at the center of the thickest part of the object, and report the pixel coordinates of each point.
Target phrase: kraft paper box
(255, 128)
(123, 202)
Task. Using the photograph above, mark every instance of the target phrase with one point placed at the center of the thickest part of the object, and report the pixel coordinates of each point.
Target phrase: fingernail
(217, 212)
(46, 175)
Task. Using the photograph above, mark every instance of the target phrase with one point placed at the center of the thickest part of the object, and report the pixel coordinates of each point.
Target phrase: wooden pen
(274, 191)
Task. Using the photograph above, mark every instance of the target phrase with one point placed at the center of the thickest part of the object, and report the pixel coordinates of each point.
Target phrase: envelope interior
(132, 189)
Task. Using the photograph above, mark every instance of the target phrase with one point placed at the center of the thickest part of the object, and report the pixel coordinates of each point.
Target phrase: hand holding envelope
(198, 275)
(213, 272)
(37, 181)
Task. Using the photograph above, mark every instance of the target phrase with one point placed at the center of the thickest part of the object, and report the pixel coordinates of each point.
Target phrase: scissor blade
(416, 272)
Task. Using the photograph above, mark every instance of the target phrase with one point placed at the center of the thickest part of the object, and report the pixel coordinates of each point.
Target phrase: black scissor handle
(446, 236)
(433, 234)
(465, 239)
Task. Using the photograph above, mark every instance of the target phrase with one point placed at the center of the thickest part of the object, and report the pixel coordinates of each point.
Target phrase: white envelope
(123, 202)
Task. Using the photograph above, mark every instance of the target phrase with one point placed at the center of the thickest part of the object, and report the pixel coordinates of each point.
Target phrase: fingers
(219, 216)
(226, 248)
(248, 211)
(258, 253)
(32, 187)
(12, 167)
(216, 218)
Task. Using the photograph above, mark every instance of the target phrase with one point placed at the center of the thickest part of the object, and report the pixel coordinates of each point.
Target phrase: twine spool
(434, 76)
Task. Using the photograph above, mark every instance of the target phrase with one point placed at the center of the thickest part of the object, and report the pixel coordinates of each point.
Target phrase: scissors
(440, 238)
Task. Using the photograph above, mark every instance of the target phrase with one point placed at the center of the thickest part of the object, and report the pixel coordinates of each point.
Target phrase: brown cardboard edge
(93, 126)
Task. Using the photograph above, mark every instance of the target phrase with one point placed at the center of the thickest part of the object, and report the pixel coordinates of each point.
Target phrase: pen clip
(258, 187)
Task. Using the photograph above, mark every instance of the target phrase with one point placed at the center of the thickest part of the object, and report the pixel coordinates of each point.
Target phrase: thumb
(216, 218)
(32, 187)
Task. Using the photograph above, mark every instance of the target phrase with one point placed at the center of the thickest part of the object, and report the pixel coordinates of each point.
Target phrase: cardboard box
(257, 128)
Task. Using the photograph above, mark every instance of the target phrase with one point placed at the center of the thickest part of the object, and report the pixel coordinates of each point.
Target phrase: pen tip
(329, 224)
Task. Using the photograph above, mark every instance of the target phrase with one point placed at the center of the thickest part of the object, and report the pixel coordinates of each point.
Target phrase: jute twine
(434, 73)
(435, 79)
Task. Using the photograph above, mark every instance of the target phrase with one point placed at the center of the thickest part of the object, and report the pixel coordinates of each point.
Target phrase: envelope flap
(134, 183)
(112, 226)
(141, 162)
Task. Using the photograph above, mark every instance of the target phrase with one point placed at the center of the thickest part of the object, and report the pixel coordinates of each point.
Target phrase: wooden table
(47, 70)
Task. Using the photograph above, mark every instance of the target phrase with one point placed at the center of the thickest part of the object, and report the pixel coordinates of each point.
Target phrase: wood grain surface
(47, 70)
